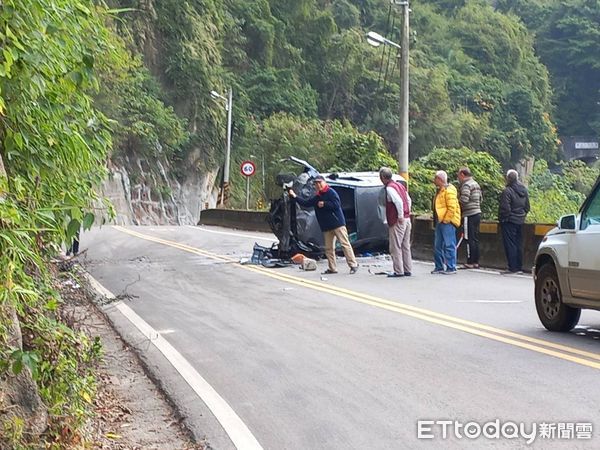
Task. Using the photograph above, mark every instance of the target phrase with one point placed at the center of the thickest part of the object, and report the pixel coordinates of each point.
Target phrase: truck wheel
(553, 313)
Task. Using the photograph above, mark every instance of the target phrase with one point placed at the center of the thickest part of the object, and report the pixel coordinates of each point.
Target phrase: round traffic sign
(248, 168)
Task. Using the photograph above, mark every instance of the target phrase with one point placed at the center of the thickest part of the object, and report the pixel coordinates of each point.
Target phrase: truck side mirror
(568, 222)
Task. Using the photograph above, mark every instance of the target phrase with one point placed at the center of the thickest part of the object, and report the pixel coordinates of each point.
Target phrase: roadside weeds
(130, 411)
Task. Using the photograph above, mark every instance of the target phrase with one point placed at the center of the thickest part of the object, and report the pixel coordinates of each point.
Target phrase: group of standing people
(453, 209)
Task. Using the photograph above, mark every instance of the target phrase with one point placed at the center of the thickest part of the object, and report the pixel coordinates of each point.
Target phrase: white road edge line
(274, 239)
(238, 432)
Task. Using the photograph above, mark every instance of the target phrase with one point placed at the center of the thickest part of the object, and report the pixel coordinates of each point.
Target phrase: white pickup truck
(567, 267)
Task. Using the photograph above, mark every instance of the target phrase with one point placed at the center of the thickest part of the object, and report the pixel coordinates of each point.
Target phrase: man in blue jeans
(446, 217)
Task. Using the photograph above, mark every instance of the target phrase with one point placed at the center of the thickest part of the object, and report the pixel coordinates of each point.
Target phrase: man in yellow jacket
(446, 217)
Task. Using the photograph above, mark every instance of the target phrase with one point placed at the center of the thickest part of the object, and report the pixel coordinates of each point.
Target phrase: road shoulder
(131, 411)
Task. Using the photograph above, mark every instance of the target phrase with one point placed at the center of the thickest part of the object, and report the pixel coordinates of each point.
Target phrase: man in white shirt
(397, 213)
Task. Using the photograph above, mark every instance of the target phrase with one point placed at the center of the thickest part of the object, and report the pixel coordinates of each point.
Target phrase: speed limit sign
(248, 168)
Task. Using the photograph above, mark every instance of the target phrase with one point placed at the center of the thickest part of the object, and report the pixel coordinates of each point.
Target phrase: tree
(328, 146)
(567, 40)
(551, 195)
(486, 171)
(53, 147)
(278, 90)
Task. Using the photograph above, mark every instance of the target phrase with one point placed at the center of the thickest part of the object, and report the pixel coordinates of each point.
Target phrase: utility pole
(228, 153)
(375, 39)
(404, 88)
(229, 108)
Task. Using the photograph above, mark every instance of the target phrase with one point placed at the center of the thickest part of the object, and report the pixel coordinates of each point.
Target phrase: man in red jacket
(397, 213)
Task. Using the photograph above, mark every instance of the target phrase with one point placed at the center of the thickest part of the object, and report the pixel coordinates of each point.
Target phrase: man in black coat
(514, 206)
(332, 222)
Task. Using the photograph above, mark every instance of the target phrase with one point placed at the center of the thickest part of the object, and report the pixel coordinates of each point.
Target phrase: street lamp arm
(393, 44)
(216, 95)
(375, 39)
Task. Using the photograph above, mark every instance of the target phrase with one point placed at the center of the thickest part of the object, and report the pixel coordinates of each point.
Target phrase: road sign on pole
(248, 168)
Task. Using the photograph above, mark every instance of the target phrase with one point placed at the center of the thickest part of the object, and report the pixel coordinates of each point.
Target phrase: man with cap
(332, 222)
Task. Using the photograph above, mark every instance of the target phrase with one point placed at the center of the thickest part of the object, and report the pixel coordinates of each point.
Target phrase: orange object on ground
(298, 258)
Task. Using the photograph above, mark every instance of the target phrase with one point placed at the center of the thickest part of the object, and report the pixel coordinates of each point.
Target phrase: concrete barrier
(235, 218)
(490, 243)
(492, 249)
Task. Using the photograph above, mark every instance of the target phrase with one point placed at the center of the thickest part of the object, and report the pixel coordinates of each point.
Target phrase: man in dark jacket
(332, 222)
(514, 206)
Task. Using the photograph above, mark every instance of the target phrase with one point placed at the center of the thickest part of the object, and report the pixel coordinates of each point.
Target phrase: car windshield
(591, 215)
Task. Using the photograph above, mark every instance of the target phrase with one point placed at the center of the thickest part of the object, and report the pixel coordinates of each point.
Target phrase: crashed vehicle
(297, 228)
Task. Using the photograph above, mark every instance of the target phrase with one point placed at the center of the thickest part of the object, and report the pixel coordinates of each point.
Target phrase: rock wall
(150, 190)
(155, 197)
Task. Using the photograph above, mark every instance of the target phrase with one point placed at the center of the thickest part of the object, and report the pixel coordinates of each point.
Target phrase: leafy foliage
(475, 78)
(567, 38)
(278, 90)
(553, 195)
(53, 147)
(579, 176)
(328, 146)
(358, 152)
(490, 70)
(485, 169)
(142, 124)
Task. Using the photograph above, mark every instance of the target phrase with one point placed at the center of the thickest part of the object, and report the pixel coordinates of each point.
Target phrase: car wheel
(553, 313)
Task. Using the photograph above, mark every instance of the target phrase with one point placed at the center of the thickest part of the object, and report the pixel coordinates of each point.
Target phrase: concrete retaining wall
(490, 243)
(492, 250)
(234, 218)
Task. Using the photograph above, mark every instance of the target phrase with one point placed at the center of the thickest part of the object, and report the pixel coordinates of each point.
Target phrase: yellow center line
(449, 318)
(538, 345)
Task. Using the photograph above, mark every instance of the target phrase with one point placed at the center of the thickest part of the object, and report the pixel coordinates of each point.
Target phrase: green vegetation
(553, 195)
(54, 148)
(476, 81)
(328, 145)
(486, 170)
(567, 37)
(490, 86)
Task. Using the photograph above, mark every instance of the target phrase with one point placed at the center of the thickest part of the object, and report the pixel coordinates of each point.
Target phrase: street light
(375, 39)
(228, 107)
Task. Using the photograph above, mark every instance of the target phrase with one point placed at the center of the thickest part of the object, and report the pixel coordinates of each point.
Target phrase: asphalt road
(350, 361)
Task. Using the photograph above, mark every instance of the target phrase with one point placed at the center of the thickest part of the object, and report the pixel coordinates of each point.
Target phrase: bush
(552, 195)
(329, 146)
(486, 171)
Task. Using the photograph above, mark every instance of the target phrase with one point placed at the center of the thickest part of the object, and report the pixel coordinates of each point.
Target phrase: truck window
(591, 215)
